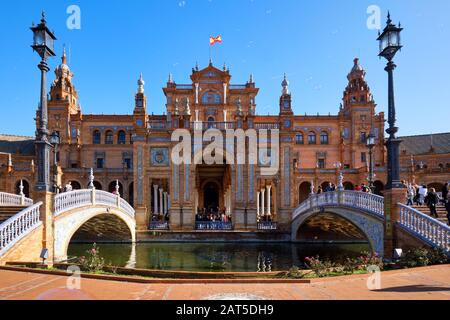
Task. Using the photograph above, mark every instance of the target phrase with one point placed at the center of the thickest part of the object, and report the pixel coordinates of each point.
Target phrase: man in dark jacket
(432, 200)
(447, 207)
(445, 193)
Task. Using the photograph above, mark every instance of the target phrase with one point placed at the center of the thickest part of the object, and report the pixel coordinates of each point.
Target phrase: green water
(216, 257)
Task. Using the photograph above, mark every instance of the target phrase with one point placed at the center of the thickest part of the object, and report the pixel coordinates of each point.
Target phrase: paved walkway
(425, 283)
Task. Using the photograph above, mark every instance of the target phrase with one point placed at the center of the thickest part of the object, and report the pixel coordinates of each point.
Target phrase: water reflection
(207, 257)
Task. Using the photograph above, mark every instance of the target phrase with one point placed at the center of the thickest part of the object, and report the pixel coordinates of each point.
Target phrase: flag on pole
(213, 41)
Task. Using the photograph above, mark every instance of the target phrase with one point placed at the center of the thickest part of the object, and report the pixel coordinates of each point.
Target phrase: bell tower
(140, 107)
(286, 99)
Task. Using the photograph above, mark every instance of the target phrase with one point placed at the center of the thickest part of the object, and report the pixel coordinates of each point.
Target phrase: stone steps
(441, 211)
(8, 212)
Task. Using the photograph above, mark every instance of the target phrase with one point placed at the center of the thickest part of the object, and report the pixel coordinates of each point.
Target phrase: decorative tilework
(287, 168)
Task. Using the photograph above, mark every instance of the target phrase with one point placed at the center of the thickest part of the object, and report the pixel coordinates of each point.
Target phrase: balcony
(267, 125)
(157, 225)
(267, 226)
(213, 125)
(213, 225)
(158, 125)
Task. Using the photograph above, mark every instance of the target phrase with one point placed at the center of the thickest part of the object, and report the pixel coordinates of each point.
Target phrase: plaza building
(134, 151)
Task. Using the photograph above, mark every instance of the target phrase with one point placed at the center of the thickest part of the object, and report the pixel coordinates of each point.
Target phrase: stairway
(8, 212)
(442, 212)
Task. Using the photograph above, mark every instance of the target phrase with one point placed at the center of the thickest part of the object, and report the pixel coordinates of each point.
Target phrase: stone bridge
(367, 213)
(24, 235)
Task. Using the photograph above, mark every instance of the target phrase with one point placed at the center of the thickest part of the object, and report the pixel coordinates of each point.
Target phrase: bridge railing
(18, 226)
(9, 199)
(358, 200)
(426, 228)
(81, 198)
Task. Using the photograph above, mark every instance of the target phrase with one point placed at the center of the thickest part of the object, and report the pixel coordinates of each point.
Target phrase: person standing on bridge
(445, 192)
(447, 207)
(432, 200)
(410, 195)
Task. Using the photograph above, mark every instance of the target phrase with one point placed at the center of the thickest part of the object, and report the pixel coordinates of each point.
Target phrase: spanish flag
(213, 40)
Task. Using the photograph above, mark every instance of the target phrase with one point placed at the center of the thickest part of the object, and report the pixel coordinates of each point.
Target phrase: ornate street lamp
(43, 42)
(389, 45)
(55, 141)
(371, 145)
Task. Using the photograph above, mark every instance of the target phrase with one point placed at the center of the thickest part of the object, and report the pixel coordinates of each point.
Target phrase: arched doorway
(211, 196)
(349, 186)
(325, 185)
(112, 188)
(304, 191)
(75, 185)
(97, 185)
(26, 188)
(379, 187)
(131, 194)
(436, 185)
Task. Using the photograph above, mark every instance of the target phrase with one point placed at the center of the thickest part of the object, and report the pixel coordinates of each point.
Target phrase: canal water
(218, 257)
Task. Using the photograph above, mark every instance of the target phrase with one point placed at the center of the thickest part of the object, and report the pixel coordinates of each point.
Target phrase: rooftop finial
(389, 21)
(170, 78)
(43, 16)
(64, 57)
(251, 78)
(285, 85)
(141, 84)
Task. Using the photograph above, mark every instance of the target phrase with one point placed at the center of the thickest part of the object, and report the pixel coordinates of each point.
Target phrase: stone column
(225, 93)
(161, 202)
(165, 203)
(196, 92)
(392, 236)
(263, 192)
(257, 203)
(155, 199)
(268, 200)
(224, 115)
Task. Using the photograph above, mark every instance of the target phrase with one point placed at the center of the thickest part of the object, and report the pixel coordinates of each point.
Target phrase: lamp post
(55, 141)
(390, 43)
(43, 42)
(371, 145)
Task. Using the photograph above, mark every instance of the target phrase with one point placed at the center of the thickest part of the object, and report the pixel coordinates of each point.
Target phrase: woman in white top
(423, 191)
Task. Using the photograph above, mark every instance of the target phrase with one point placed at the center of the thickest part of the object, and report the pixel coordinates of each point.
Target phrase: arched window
(121, 139)
(210, 122)
(312, 138)
(211, 98)
(324, 137)
(299, 139)
(96, 137)
(109, 137)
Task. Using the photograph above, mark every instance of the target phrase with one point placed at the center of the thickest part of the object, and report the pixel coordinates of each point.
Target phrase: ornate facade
(135, 150)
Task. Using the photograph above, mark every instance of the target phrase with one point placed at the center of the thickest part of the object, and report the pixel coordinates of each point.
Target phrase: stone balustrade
(80, 198)
(9, 199)
(357, 200)
(18, 226)
(424, 227)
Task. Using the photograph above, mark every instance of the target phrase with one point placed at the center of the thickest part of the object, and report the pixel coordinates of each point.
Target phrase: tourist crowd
(213, 215)
(421, 195)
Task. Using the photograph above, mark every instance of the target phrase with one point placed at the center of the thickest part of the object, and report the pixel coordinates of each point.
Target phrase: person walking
(423, 191)
(445, 192)
(447, 207)
(432, 200)
(410, 195)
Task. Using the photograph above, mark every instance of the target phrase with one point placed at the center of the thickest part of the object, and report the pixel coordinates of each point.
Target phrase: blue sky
(314, 42)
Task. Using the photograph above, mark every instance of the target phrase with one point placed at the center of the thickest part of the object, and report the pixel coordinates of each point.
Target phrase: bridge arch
(364, 211)
(75, 209)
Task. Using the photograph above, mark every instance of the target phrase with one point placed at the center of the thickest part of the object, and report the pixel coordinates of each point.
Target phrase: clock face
(140, 103)
(287, 123)
(139, 123)
(286, 104)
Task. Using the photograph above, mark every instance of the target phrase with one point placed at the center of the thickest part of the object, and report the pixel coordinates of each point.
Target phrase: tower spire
(64, 57)
(141, 84)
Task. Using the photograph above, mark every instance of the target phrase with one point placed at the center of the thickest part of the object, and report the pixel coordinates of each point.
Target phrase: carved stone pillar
(263, 192)
(268, 200)
(161, 201)
(155, 199)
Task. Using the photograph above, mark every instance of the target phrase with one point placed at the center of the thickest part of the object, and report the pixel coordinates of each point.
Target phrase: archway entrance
(211, 196)
(304, 191)
(379, 187)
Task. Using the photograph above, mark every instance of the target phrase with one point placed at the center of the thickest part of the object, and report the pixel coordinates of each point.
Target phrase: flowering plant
(92, 262)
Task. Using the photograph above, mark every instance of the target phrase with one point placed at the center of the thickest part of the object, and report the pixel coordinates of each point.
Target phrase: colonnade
(264, 202)
(161, 203)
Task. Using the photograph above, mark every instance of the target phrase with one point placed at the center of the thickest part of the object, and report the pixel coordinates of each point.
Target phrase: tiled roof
(17, 145)
(437, 143)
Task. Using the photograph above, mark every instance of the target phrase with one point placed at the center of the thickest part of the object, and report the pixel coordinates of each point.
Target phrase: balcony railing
(213, 125)
(157, 225)
(267, 125)
(158, 125)
(213, 225)
(267, 225)
(9, 199)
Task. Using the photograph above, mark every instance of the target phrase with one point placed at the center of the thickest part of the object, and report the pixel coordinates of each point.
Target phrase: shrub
(295, 273)
(92, 262)
(415, 258)
(437, 256)
(367, 259)
(319, 267)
